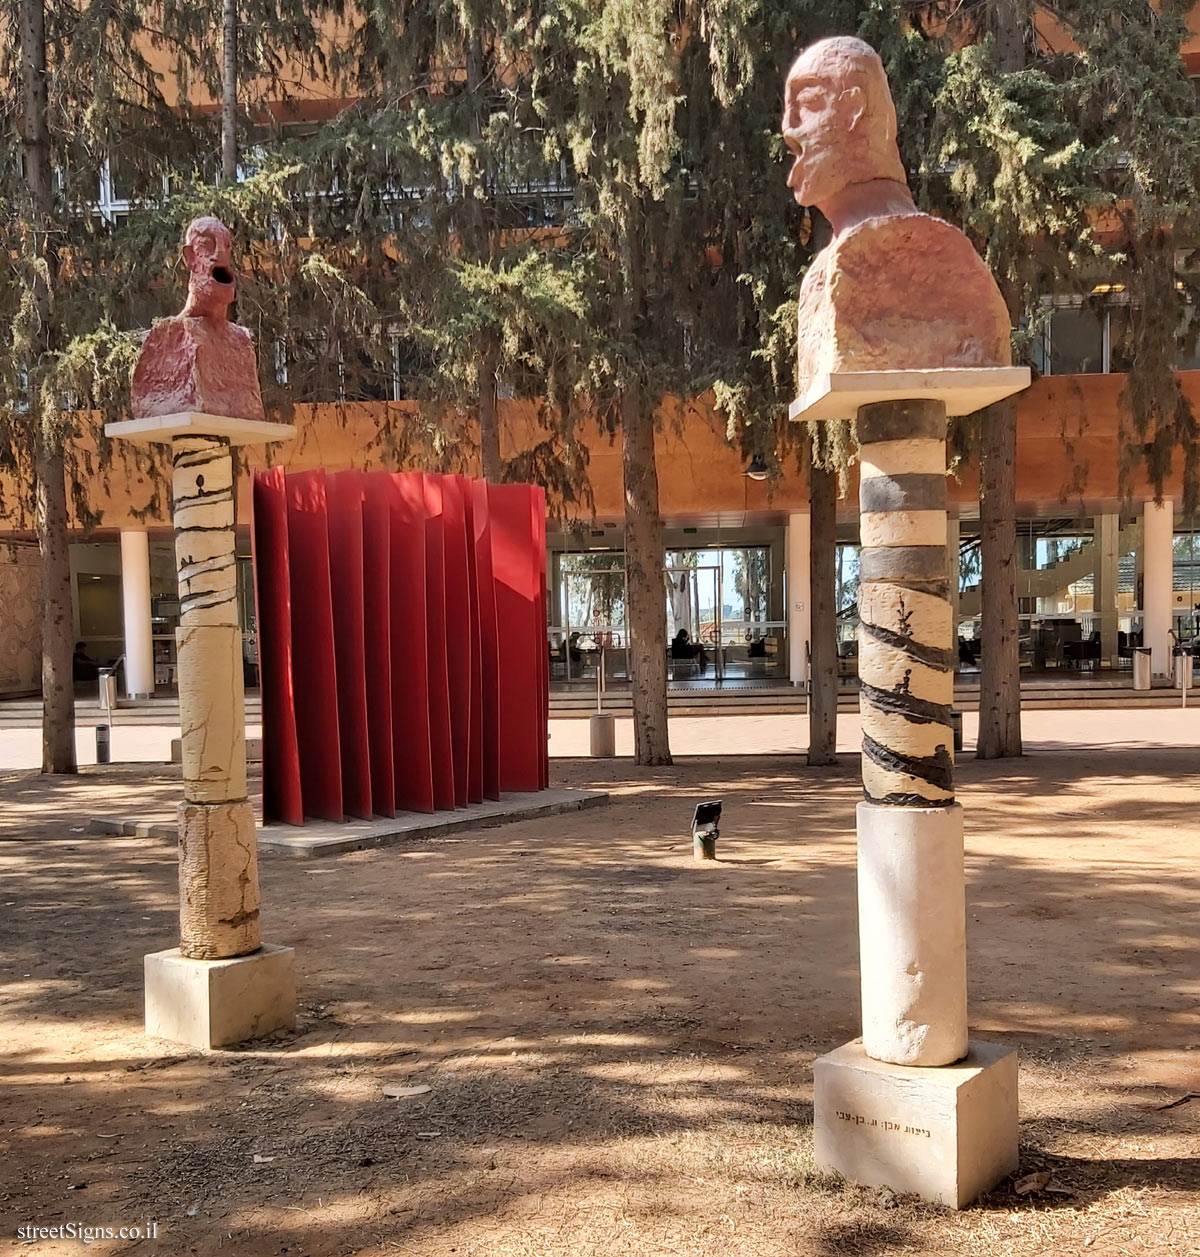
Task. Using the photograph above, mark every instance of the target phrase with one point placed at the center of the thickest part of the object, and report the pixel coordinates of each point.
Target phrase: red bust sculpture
(197, 360)
(894, 289)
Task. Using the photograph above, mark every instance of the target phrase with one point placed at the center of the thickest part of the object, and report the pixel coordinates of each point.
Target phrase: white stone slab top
(839, 394)
(162, 429)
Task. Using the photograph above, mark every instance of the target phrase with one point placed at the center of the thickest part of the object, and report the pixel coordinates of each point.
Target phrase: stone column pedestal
(913, 1105)
(221, 985)
(912, 934)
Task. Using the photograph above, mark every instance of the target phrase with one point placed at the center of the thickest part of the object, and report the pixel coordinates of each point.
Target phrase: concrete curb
(322, 838)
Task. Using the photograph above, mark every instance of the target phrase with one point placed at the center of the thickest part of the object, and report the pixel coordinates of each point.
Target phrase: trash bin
(956, 725)
(1183, 671)
(1141, 667)
(602, 729)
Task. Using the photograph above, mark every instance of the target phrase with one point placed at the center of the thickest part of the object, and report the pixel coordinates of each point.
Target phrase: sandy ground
(619, 1042)
(703, 735)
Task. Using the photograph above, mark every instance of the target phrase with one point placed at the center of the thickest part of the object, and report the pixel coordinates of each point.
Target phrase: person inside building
(682, 647)
(83, 666)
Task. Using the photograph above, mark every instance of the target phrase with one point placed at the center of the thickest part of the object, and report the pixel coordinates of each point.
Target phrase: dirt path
(618, 1042)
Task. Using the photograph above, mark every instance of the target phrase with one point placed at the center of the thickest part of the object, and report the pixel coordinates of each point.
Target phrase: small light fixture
(757, 469)
(706, 829)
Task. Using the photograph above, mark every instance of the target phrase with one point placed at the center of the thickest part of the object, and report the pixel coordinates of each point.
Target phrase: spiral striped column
(910, 856)
(218, 861)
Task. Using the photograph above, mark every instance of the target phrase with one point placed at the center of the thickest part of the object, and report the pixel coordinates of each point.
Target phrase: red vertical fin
(312, 646)
(541, 652)
(377, 620)
(435, 605)
(282, 798)
(475, 662)
(518, 629)
(410, 646)
(489, 657)
(459, 638)
(345, 494)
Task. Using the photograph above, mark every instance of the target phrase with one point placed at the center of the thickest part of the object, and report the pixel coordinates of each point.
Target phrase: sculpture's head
(839, 120)
(208, 252)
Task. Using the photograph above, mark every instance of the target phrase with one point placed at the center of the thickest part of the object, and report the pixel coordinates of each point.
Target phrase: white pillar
(799, 597)
(135, 595)
(1107, 533)
(1158, 583)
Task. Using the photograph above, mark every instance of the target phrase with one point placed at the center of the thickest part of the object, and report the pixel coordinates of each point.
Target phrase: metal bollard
(103, 745)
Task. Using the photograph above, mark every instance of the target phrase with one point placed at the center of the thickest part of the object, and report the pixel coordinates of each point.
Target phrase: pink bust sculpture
(895, 289)
(198, 360)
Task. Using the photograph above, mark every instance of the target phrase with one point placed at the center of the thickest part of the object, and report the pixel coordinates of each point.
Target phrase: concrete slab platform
(160, 429)
(839, 394)
(322, 838)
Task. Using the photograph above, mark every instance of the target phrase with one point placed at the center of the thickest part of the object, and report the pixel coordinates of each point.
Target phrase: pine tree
(442, 186)
(80, 282)
(698, 246)
(1066, 143)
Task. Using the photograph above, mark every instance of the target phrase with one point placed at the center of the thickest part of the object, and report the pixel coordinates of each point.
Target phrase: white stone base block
(217, 1003)
(947, 1134)
(912, 933)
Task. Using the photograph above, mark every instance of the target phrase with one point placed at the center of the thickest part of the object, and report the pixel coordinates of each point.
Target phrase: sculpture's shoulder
(911, 289)
(165, 335)
(912, 243)
(241, 335)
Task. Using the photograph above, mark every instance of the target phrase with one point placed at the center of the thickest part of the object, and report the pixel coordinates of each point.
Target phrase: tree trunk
(58, 621)
(823, 663)
(489, 413)
(1000, 673)
(645, 591)
(58, 693)
(229, 92)
(1000, 668)
(488, 348)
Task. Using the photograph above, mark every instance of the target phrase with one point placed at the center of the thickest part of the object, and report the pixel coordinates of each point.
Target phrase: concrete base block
(217, 1003)
(947, 1134)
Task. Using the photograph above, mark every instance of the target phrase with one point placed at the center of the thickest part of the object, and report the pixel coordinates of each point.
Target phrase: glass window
(1076, 342)
(592, 595)
(1120, 338)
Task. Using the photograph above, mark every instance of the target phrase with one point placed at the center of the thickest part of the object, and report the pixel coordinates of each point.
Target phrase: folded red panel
(315, 669)
(412, 748)
(402, 626)
(282, 799)
(345, 492)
